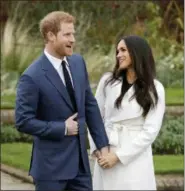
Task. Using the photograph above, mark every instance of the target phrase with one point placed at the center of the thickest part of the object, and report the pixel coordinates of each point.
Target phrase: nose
(72, 39)
(119, 55)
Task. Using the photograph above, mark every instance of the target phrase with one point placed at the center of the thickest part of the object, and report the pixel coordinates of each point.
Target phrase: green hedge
(9, 134)
(171, 136)
(169, 141)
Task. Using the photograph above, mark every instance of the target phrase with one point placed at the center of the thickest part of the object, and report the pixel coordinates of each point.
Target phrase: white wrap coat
(130, 137)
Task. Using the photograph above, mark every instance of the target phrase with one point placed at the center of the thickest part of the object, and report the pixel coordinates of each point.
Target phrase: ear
(50, 36)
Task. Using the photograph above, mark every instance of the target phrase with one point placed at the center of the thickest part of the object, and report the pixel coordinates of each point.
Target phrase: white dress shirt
(57, 64)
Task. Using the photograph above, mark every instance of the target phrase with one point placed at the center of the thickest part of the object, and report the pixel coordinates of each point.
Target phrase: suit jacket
(43, 105)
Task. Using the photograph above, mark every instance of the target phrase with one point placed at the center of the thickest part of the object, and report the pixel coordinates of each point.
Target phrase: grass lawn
(7, 101)
(174, 96)
(18, 155)
(171, 164)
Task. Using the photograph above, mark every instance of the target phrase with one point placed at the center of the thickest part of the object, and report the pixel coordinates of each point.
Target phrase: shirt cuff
(65, 130)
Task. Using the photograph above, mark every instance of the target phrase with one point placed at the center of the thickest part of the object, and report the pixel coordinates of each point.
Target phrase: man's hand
(97, 154)
(104, 151)
(108, 161)
(71, 125)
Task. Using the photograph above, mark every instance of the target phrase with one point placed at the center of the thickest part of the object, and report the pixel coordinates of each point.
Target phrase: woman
(132, 104)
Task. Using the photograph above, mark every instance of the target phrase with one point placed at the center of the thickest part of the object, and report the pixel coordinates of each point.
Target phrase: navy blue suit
(42, 106)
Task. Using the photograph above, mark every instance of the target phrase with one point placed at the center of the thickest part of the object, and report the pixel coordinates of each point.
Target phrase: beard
(60, 51)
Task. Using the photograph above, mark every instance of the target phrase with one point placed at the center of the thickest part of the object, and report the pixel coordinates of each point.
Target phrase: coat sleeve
(146, 137)
(26, 111)
(93, 117)
(100, 97)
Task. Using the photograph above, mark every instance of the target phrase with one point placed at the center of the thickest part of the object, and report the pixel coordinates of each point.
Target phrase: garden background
(99, 24)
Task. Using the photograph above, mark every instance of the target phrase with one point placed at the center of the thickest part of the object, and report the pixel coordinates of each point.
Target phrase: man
(54, 102)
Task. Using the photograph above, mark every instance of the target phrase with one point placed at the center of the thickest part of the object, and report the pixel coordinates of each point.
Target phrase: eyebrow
(69, 32)
(124, 47)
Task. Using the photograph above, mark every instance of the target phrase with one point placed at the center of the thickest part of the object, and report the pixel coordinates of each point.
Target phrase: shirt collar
(56, 62)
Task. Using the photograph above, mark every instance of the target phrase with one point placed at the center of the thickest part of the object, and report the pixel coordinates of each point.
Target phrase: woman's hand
(108, 161)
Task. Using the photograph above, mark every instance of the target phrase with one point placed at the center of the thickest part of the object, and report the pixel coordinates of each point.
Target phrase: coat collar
(129, 107)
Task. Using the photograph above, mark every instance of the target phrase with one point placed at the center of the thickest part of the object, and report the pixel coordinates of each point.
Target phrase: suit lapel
(53, 76)
(76, 83)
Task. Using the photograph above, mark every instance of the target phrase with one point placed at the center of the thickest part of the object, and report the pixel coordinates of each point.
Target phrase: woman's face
(123, 56)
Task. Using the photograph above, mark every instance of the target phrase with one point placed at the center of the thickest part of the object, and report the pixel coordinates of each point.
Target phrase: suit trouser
(82, 182)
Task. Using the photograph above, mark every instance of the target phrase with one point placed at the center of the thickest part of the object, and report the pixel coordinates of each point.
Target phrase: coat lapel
(129, 108)
(76, 83)
(53, 76)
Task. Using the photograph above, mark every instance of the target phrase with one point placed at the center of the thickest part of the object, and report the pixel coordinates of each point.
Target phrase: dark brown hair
(144, 67)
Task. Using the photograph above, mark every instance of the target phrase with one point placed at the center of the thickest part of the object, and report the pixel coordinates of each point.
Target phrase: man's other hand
(72, 125)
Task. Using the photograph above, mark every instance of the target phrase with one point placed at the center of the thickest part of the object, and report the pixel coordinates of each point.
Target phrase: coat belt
(114, 129)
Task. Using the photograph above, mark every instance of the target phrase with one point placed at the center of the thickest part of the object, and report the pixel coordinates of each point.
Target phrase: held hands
(105, 158)
(108, 161)
(72, 125)
(97, 154)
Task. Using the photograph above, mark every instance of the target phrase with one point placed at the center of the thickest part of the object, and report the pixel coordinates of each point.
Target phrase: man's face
(63, 42)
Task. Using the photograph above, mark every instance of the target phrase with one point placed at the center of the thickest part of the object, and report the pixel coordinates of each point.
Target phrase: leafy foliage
(169, 140)
(9, 134)
(171, 137)
(98, 26)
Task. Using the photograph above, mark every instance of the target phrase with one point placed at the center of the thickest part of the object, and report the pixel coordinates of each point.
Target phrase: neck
(51, 51)
(131, 76)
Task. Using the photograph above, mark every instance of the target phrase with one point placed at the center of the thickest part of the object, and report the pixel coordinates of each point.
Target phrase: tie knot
(63, 62)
